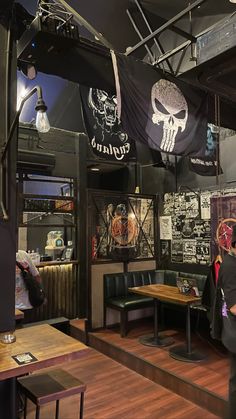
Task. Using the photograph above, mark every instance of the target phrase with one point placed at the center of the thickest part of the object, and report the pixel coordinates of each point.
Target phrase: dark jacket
(212, 300)
(208, 294)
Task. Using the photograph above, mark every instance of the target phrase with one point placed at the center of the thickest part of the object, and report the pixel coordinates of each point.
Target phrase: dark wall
(7, 226)
(120, 180)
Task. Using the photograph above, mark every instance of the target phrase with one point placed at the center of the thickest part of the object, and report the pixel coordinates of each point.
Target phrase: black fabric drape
(159, 110)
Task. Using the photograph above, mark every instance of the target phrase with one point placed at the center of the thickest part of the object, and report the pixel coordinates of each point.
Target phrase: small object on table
(7, 337)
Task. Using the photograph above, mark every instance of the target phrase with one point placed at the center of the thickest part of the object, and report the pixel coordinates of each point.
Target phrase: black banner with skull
(159, 110)
(107, 139)
(209, 165)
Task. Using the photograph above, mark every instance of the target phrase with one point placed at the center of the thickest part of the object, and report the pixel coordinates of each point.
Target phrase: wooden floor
(116, 392)
(204, 383)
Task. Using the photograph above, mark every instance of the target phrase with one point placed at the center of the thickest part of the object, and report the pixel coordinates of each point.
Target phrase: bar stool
(50, 386)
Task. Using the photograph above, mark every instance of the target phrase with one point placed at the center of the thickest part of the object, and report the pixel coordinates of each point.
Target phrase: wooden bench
(118, 297)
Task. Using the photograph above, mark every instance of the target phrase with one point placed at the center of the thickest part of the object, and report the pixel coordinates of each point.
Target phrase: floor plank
(212, 373)
(204, 383)
(116, 392)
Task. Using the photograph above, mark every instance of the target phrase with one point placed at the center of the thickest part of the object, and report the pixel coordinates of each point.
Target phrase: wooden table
(167, 293)
(47, 344)
(18, 314)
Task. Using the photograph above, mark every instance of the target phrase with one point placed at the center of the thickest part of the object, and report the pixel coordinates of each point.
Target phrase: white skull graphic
(170, 107)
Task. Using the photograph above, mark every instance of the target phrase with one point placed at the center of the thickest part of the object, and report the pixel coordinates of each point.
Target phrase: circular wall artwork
(123, 230)
(224, 233)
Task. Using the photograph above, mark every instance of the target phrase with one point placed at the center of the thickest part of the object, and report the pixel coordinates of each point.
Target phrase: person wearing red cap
(227, 282)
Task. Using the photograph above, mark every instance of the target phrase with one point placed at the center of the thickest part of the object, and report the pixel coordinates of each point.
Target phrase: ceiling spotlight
(28, 70)
(232, 1)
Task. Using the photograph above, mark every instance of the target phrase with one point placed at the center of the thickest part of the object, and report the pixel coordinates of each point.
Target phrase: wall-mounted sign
(165, 228)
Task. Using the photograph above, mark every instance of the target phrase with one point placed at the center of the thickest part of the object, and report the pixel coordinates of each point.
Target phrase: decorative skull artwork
(104, 106)
(170, 108)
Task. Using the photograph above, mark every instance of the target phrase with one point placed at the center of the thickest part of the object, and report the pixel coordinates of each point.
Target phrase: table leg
(8, 405)
(185, 353)
(156, 339)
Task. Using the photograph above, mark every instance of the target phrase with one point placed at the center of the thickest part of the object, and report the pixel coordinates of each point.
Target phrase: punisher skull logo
(170, 108)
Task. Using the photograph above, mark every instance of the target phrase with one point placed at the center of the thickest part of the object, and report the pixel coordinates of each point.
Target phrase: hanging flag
(159, 110)
(107, 138)
(208, 165)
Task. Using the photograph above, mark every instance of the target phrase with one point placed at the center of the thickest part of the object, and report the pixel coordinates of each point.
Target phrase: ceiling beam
(177, 30)
(165, 26)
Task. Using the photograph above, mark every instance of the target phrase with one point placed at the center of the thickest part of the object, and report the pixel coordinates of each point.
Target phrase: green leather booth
(118, 297)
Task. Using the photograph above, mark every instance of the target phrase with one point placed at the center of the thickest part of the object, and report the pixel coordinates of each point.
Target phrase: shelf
(47, 225)
(46, 197)
(43, 208)
(49, 212)
(57, 262)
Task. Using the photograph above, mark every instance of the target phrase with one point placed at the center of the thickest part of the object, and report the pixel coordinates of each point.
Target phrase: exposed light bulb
(42, 122)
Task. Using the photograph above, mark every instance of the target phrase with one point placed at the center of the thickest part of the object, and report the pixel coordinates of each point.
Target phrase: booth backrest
(117, 284)
(169, 277)
(166, 277)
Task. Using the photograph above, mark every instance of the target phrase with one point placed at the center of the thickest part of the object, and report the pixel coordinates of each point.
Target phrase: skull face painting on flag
(159, 110)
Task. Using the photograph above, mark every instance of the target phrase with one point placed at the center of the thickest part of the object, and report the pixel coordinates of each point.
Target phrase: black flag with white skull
(159, 110)
(107, 139)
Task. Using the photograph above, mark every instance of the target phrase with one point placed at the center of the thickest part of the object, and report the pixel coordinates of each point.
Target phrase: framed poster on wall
(122, 226)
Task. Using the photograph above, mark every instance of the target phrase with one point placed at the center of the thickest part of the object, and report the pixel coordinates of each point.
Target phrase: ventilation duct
(216, 66)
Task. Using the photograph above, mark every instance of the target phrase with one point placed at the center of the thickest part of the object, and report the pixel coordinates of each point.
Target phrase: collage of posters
(189, 216)
(201, 224)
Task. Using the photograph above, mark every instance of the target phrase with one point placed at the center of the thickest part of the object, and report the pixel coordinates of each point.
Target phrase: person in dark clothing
(227, 281)
(209, 290)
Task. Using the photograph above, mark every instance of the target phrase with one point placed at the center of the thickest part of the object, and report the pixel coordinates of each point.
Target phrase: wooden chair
(50, 386)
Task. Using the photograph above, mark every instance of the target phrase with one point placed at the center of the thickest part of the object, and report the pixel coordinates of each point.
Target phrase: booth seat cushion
(131, 302)
(118, 297)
